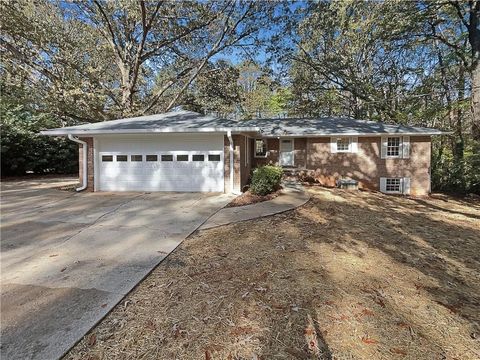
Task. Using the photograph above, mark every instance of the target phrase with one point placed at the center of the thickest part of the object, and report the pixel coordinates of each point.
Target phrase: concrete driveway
(67, 258)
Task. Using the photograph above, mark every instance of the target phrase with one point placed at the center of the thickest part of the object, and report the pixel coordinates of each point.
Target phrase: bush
(266, 179)
(24, 150)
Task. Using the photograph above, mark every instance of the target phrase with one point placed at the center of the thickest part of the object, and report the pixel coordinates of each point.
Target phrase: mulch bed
(248, 198)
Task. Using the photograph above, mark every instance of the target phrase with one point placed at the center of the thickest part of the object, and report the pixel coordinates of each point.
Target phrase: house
(187, 151)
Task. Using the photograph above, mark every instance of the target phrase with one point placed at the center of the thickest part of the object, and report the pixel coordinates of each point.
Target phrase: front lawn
(349, 275)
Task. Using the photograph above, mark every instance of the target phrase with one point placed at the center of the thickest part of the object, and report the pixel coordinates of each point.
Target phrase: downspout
(84, 162)
(230, 139)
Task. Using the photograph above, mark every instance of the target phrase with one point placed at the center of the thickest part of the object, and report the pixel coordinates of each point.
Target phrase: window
(136, 157)
(213, 157)
(393, 146)
(151, 158)
(122, 158)
(198, 157)
(107, 157)
(167, 157)
(260, 148)
(393, 185)
(343, 144)
(182, 157)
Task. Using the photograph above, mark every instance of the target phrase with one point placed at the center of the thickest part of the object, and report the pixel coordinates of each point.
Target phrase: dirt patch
(248, 198)
(349, 275)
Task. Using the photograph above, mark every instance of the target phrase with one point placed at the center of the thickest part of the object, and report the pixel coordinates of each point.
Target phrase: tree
(104, 54)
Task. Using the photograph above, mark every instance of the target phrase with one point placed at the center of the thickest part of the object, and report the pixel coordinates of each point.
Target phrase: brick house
(187, 151)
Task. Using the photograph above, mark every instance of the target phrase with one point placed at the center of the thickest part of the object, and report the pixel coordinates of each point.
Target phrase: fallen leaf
(150, 325)
(92, 339)
(104, 305)
(367, 312)
(241, 330)
(207, 355)
(53, 255)
(398, 351)
(368, 340)
(63, 269)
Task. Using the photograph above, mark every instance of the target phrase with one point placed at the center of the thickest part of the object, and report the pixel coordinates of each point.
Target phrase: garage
(160, 162)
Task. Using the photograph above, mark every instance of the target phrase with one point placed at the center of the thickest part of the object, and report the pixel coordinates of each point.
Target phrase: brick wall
(90, 163)
(366, 166)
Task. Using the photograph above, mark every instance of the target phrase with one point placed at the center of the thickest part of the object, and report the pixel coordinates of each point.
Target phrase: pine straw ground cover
(350, 275)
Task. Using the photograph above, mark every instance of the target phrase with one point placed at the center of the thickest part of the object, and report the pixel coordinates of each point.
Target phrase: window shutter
(333, 145)
(383, 184)
(383, 146)
(354, 144)
(406, 186)
(406, 147)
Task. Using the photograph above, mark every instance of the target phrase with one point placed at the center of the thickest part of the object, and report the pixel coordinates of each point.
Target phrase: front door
(286, 152)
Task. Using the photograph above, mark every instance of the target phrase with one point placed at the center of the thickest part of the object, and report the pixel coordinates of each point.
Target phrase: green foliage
(266, 179)
(456, 175)
(24, 150)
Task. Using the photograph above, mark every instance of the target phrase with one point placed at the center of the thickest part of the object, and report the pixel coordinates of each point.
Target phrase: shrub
(266, 179)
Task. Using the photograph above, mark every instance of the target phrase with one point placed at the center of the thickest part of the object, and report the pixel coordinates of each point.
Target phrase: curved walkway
(291, 197)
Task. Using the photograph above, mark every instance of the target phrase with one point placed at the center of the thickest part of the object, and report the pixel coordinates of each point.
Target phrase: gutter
(90, 132)
(84, 162)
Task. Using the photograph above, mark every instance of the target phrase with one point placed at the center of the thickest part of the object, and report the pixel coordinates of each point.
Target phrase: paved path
(68, 258)
(291, 197)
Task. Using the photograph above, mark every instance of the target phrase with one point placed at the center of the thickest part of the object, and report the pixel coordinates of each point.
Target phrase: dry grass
(346, 276)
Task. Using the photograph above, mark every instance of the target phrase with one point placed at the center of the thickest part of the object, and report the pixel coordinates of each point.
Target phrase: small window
(393, 146)
(107, 157)
(393, 185)
(136, 157)
(213, 157)
(122, 158)
(198, 157)
(182, 157)
(167, 157)
(151, 158)
(260, 148)
(343, 144)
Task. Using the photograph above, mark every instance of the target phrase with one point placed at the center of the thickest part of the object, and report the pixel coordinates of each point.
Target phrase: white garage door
(166, 162)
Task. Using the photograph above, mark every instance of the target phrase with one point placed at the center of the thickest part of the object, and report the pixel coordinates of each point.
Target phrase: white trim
(400, 147)
(406, 186)
(66, 131)
(95, 165)
(383, 185)
(406, 147)
(293, 151)
(266, 148)
(58, 132)
(352, 144)
(356, 134)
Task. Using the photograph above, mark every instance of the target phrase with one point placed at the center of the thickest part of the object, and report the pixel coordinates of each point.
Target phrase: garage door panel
(175, 175)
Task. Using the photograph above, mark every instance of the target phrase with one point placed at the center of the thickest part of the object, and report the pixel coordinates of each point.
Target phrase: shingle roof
(188, 121)
(174, 121)
(333, 126)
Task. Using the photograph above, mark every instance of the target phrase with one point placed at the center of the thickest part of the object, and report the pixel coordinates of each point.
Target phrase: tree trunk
(475, 104)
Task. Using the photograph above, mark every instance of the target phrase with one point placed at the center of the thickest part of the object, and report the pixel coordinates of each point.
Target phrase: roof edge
(64, 132)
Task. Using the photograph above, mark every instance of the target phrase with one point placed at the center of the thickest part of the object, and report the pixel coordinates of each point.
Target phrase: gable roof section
(175, 121)
(188, 121)
(334, 126)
